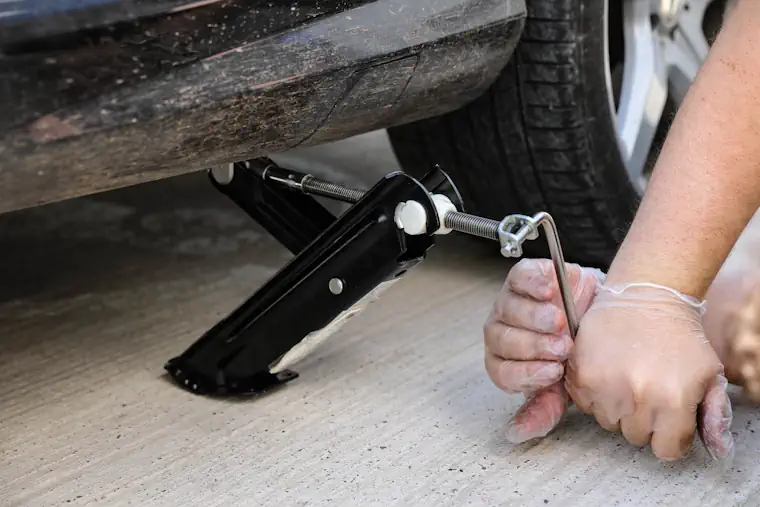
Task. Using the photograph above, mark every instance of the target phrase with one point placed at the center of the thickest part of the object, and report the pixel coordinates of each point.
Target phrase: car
(555, 105)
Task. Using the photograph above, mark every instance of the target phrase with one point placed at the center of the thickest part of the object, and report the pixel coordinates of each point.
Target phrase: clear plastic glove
(641, 365)
(524, 327)
(527, 341)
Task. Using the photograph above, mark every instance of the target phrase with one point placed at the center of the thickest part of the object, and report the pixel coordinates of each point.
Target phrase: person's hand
(527, 341)
(527, 318)
(641, 365)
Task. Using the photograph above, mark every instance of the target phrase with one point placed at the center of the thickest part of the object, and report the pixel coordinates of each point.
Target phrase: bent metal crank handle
(340, 264)
(411, 217)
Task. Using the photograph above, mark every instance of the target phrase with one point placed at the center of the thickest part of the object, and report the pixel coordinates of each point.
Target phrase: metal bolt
(336, 286)
(511, 251)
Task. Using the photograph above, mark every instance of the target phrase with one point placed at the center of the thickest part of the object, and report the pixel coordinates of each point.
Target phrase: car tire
(544, 136)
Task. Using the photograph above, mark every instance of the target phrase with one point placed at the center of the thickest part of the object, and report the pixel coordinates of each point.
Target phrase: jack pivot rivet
(336, 286)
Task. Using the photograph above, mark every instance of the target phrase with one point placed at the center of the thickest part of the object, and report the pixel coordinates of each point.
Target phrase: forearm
(706, 184)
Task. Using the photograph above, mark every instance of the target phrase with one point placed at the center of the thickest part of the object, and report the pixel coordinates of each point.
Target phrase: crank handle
(514, 230)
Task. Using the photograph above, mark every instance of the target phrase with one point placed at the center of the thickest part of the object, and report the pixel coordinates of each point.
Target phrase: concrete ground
(396, 409)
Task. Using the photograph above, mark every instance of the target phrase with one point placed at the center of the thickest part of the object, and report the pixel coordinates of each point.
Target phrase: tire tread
(529, 140)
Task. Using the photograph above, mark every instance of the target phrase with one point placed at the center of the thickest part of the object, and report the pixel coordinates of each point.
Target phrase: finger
(522, 376)
(519, 311)
(530, 278)
(585, 291)
(714, 421)
(673, 433)
(581, 396)
(524, 345)
(538, 415)
(637, 427)
(604, 419)
(608, 410)
(536, 278)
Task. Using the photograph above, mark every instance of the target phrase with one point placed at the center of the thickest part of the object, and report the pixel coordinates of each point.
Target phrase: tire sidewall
(604, 148)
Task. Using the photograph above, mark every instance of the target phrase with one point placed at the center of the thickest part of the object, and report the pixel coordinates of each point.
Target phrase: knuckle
(498, 371)
(584, 405)
(503, 307)
(713, 367)
(639, 389)
(545, 269)
(520, 272)
(523, 265)
(558, 321)
(580, 397)
(664, 391)
(607, 424)
(530, 274)
(497, 311)
(669, 394)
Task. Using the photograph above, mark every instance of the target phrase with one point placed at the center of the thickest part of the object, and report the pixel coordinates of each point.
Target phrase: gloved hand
(641, 365)
(527, 322)
(527, 341)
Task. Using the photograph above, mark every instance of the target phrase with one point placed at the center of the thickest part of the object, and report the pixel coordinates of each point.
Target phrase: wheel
(573, 123)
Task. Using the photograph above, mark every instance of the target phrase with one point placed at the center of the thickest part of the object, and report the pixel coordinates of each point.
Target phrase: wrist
(648, 262)
(651, 294)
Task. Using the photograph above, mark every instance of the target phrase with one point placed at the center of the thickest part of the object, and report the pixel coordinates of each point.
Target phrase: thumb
(540, 413)
(714, 421)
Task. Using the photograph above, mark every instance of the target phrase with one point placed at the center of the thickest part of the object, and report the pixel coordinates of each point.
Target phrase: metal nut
(511, 250)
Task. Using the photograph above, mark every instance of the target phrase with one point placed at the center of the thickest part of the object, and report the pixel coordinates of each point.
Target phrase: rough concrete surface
(396, 409)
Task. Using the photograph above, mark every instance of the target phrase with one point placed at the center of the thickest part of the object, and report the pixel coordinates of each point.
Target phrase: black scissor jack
(340, 261)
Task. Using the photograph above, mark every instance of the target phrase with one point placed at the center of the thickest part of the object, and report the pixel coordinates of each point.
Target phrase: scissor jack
(340, 264)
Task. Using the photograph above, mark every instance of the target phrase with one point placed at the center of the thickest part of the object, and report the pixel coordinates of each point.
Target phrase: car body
(98, 94)
(539, 105)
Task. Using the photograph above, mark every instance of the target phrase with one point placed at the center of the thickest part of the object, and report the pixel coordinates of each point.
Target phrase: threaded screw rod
(472, 225)
(315, 186)
(455, 220)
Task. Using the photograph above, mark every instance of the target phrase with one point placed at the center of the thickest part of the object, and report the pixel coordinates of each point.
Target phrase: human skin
(640, 363)
(527, 341)
(706, 183)
(732, 321)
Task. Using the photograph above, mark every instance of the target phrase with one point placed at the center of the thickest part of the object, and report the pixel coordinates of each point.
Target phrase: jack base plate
(256, 384)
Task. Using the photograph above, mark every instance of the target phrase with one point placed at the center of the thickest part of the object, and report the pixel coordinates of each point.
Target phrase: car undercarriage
(93, 109)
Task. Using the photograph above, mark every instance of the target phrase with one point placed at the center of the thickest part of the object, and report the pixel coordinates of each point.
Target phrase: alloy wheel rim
(665, 44)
